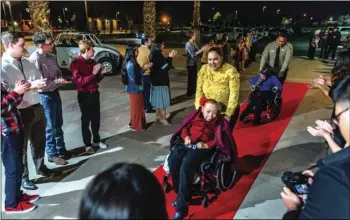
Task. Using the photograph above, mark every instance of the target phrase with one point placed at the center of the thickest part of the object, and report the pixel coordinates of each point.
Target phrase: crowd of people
(31, 106)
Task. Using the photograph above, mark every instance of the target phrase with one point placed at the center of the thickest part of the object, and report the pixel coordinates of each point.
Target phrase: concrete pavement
(62, 193)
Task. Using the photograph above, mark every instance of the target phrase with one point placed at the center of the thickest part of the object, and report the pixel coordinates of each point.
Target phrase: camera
(296, 182)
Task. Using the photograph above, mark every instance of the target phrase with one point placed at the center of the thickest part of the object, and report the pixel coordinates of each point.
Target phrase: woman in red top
(198, 139)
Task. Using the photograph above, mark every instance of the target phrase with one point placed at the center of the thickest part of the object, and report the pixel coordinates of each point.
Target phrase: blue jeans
(147, 92)
(52, 104)
(11, 155)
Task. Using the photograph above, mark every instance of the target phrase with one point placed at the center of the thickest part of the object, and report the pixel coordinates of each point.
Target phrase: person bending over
(264, 85)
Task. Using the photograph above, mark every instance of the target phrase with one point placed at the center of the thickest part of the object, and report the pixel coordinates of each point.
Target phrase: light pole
(87, 16)
(64, 15)
(236, 14)
(116, 15)
(10, 9)
(5, 16)
(264, 9)
(278, 11)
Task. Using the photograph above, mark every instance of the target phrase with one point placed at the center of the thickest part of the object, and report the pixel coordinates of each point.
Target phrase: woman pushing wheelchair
(195, 141)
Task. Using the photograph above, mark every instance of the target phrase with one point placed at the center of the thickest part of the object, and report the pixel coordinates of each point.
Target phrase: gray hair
(10, 37)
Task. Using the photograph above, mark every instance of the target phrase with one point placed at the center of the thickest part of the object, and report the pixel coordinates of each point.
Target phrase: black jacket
(160, 70)
(329, 196)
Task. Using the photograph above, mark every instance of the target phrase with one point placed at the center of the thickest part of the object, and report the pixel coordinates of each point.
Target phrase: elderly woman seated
(199, 134)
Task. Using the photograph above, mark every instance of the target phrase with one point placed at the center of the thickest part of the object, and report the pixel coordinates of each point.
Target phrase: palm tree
(149, 18)
(196, 20)
(40, 15)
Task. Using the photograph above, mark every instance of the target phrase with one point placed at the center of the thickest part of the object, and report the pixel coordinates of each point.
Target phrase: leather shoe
(178, 216)
(28, 185)
(46, 172)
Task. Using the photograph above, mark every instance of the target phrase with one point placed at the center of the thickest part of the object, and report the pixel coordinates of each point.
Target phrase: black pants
(183, 163)
(323, 52)
(34, 126)
(257, 101)
(234, 118)
(11, 155)
(311, 52)
(253, 51)
(89, 103)
(191, 80)
(333, 49)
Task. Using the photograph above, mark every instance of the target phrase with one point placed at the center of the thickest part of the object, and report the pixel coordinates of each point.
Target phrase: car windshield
(94, 39)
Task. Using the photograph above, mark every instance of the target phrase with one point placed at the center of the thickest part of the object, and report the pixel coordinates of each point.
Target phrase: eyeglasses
(335, 118)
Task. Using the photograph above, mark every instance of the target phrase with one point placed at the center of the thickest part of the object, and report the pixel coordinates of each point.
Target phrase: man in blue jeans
(142, 59)
(50, 98)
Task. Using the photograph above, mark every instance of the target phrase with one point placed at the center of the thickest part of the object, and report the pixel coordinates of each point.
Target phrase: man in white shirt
(16, 68)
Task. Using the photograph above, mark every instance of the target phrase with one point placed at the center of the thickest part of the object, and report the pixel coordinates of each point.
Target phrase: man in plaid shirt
(12, 150)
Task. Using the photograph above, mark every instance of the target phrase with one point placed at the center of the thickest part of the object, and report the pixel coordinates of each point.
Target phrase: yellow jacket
(222, 86)
(142, 58)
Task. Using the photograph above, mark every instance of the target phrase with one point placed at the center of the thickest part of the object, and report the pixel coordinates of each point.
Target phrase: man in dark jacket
(329, 196)
(334, 42)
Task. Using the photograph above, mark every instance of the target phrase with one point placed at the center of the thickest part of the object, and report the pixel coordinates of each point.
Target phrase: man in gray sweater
(277, 55)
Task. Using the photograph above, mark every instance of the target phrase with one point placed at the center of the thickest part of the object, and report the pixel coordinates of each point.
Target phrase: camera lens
(287, 176)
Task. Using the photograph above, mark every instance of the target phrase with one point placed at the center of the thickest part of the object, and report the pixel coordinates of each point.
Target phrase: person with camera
(328, 195)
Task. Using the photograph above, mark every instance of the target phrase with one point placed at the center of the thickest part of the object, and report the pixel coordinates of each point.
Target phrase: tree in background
(40, 16)
(196, 20)
(149, 18)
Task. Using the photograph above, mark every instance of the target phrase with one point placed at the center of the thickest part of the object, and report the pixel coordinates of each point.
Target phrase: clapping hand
(319, 80)
(21, 87)
(38, 84)
(323, 129)
(172, 53)
(104, 70)
(96, 68)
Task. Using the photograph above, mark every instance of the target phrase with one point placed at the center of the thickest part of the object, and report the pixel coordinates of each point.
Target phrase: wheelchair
(216, 174)
(270, 109)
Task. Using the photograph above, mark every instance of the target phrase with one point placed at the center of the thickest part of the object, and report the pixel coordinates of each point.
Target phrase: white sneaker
(165, 122)
(100, 145)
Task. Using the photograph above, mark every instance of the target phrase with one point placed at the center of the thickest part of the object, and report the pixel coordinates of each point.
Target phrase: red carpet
(254, 147)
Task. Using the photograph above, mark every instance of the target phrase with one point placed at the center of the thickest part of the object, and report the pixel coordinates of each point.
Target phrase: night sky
(180, 12)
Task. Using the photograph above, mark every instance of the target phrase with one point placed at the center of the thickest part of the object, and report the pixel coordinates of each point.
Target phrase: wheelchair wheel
(225, 177)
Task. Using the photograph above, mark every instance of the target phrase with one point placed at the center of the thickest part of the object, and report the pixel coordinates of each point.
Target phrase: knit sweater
(143, 58)
(222, 85)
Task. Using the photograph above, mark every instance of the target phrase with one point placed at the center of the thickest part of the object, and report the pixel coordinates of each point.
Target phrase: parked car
(345, 33)
(66, 44)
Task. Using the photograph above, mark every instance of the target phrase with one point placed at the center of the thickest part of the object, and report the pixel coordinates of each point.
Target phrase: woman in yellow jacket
(219, 81)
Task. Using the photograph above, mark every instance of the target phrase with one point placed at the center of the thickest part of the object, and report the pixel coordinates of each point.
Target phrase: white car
(67, 49)
(345, 33)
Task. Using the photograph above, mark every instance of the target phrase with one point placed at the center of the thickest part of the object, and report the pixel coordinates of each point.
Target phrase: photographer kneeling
(329, 193)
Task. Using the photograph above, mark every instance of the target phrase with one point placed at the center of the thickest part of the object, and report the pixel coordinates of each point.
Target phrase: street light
(3, 7)
(64, 15)
(311, 18)
(264, 9)
(305, 15)
(87, 16)
(236, 14)
(278, 11)
(331, 18)
(10, 9)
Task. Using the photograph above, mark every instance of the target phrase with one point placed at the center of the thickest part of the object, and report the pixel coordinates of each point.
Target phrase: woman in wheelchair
(199, 133)
(265, 86)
